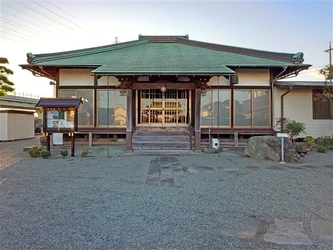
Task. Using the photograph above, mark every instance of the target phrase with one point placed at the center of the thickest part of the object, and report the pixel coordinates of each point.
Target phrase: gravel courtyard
(169, 201)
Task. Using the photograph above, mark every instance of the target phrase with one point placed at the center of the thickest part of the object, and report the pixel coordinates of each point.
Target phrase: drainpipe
(273, 81)
(282, 113)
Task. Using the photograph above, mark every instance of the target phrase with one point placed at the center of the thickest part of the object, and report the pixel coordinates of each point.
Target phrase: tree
(5, 84)
(327, 93)
(327, 72)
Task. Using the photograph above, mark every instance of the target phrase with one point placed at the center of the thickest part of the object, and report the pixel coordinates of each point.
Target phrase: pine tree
(5, 84)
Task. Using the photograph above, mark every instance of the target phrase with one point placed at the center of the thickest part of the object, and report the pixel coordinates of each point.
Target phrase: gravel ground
(106, 203)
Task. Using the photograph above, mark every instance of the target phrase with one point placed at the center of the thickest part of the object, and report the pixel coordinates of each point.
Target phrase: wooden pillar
(129, 119)
(72, 145)
(48, 142)
(197, 128)
(90, 139)
(236, 139)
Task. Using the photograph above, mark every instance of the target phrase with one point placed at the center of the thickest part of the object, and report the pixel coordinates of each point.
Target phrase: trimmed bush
(64, 153)
(35, 152)
(321, 149)
(326, 141)
(45, 154)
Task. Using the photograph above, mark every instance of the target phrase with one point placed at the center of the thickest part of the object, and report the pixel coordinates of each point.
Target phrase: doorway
(163, 109)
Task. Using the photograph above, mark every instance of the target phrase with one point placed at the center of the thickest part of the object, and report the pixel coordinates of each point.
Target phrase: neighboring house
(17, 117)
(171, 84)
(300, 104)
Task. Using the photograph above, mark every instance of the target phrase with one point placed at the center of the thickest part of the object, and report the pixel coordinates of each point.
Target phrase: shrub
(294, 128)
(35, 152)
(84, 153)
(64, 153)
(45, 154)
(326, 142)
(291, 127)
(321, 149)
(309, 140)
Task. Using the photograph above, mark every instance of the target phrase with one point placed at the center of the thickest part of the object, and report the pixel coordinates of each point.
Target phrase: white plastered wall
(298, 107)
(75, 77)
(253, 77)
(103, 81)
(17, 126)
(3, 126)
(219, 81)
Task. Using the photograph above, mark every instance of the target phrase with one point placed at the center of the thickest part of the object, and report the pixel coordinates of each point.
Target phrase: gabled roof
(59, 102)
(163, 55)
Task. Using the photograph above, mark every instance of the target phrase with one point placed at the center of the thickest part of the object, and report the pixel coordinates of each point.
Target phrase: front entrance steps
(162, 138)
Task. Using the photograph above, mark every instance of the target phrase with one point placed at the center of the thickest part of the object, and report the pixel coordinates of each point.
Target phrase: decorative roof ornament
(298, 58)
(30, 57)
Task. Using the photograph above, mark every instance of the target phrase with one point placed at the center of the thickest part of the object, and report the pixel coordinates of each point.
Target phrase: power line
(20, 33)
(20, 27)
(11, 39)
(27, 20)
(58, 16)
(69, 14)
(35, 24)
(14, 35)
(42, 14)
(75, 12)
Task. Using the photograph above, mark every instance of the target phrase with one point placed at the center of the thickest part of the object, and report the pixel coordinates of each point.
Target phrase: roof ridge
(163, 38)
(284, 57)
(33, 58)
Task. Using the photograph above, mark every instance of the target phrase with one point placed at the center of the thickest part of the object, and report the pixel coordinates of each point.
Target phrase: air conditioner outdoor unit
(215, 143)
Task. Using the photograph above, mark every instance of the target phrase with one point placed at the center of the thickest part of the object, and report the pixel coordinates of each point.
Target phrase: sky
(47, 26)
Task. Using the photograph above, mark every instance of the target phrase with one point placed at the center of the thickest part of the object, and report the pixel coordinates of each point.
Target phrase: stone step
(144, 133)
(165, 145)
(161, 139)
(138, 138)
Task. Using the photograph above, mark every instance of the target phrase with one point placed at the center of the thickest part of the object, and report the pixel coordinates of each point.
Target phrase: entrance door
(163, 109)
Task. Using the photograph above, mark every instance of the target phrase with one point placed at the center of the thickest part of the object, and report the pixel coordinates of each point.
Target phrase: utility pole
(329, 51)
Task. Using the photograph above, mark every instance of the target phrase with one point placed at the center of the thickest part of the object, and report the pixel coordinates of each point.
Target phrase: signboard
(60, 120)
(281, 135)
(60, 116)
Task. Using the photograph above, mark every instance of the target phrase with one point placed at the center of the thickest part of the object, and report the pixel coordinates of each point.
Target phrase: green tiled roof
(175, 56)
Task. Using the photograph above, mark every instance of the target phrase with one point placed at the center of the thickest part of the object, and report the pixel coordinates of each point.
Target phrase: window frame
(321, 109)
(269, 109)
(112, 92)
(92, 102)
(212, 104)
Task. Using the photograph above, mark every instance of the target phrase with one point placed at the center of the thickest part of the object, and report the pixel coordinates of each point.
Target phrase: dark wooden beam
(183, 86)
(129, 120)
(125, 82)
(197, 128)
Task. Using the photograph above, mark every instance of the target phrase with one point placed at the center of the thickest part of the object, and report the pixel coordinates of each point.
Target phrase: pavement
(115, 199)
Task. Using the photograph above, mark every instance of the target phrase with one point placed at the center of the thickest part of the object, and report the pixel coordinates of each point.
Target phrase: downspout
(274, 80)
(282, 107)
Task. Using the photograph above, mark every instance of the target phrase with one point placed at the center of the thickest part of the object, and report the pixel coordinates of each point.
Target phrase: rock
(210, 150)
(269, 148)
